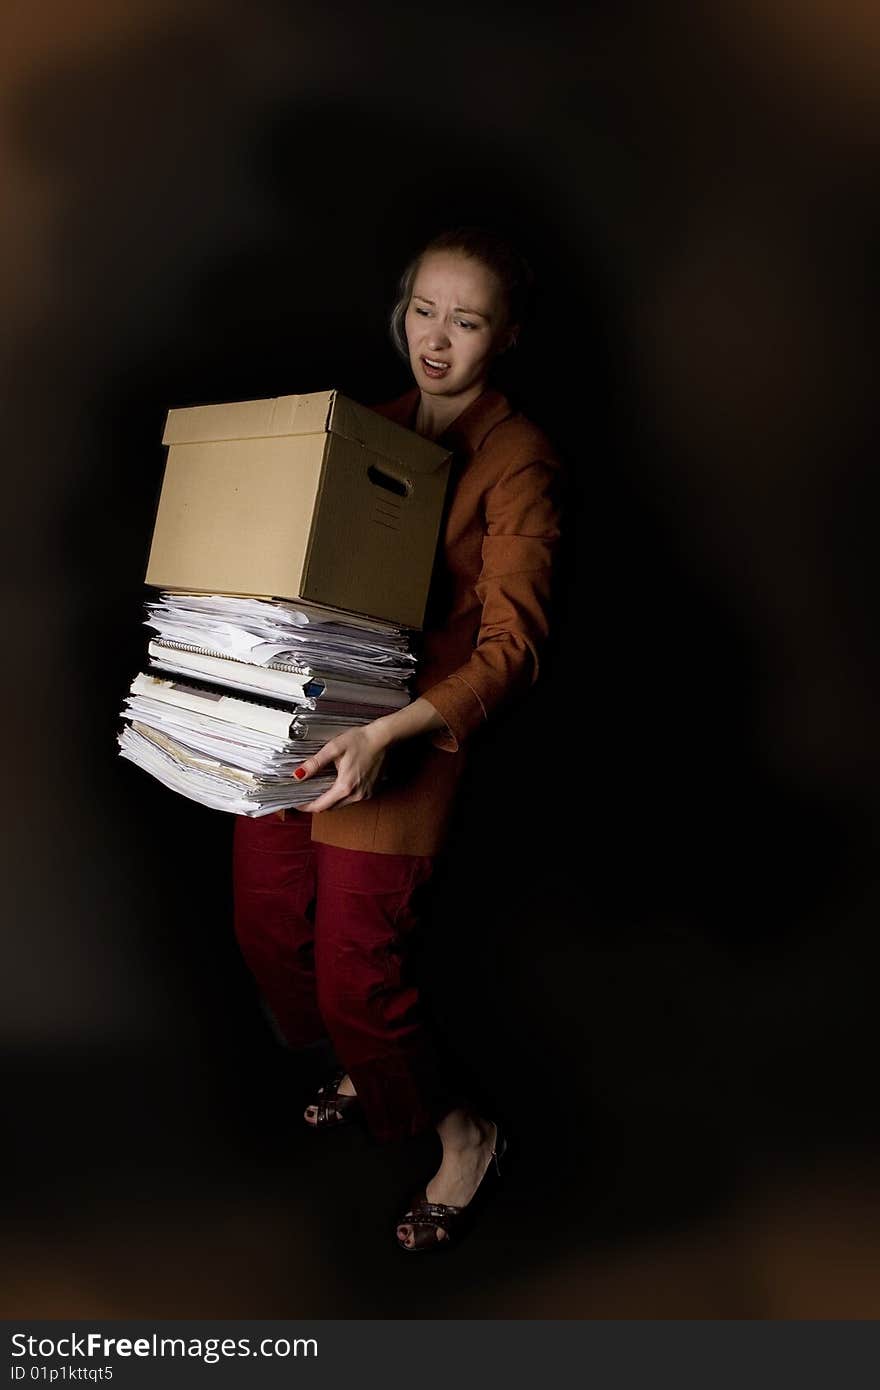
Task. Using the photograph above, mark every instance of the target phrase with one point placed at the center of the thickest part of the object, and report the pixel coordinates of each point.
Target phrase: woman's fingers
(331, 797)
(358, 766)
(309, 766)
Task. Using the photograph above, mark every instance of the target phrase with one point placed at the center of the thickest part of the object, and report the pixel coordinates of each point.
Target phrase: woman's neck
(436, 413)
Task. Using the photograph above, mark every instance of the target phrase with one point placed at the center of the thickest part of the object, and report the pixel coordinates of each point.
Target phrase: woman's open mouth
(432, 366)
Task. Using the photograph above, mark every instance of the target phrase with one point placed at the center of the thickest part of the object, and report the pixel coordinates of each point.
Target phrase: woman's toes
(441, 1234)
(405, 1235)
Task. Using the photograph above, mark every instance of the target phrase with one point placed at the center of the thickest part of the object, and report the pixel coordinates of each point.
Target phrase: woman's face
(455, 324)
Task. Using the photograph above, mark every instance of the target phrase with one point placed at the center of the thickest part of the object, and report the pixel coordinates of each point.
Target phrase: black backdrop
(653, 940)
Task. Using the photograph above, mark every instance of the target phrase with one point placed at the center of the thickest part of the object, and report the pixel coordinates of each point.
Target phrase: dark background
(654, 938)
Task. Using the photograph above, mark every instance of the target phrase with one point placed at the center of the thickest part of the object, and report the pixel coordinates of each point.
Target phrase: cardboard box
(301, 497)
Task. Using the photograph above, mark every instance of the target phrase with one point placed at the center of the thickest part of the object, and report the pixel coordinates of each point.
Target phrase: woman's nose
(437, 336)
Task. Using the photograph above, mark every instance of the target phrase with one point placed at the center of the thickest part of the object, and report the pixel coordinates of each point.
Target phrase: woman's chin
(447, 387)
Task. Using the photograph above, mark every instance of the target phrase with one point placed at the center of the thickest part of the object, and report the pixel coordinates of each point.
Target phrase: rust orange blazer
(487, 619)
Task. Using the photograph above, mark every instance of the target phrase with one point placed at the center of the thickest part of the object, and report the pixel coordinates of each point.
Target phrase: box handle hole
(386, 481)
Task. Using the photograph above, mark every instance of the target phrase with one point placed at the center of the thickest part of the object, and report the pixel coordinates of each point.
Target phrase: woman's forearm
(418, 718)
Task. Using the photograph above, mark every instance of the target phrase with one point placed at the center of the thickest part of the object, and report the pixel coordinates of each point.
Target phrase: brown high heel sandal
(425, 1217)
(332, 1109)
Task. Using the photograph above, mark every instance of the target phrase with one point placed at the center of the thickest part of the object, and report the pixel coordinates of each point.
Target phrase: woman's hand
(358, 755)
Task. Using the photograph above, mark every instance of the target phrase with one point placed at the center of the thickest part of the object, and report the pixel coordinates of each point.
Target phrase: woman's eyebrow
(459, 308)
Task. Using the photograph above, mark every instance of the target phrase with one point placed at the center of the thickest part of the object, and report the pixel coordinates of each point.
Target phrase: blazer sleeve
(522, 518)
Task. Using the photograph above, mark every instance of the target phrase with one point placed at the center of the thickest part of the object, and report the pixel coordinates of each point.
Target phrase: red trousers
(325, 933)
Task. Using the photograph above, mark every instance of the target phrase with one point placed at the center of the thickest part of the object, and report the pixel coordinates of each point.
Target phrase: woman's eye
(423, 312)
(462, 323)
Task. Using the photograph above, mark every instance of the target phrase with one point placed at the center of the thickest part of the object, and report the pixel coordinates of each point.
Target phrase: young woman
(327, 896)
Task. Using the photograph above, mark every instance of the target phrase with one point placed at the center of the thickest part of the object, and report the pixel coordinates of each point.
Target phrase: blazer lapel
(469, 429)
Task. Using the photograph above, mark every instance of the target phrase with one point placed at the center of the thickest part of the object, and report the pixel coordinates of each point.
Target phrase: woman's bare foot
(345, 1088)
(468, 1144)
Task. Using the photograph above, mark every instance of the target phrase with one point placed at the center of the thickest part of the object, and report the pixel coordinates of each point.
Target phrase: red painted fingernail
(300, 773)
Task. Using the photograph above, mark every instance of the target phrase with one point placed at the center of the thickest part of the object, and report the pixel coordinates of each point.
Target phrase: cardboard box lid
(320, 412)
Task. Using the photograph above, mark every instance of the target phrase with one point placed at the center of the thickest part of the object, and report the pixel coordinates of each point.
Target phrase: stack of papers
(241, 690)
(219, 784)
(264, 632)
